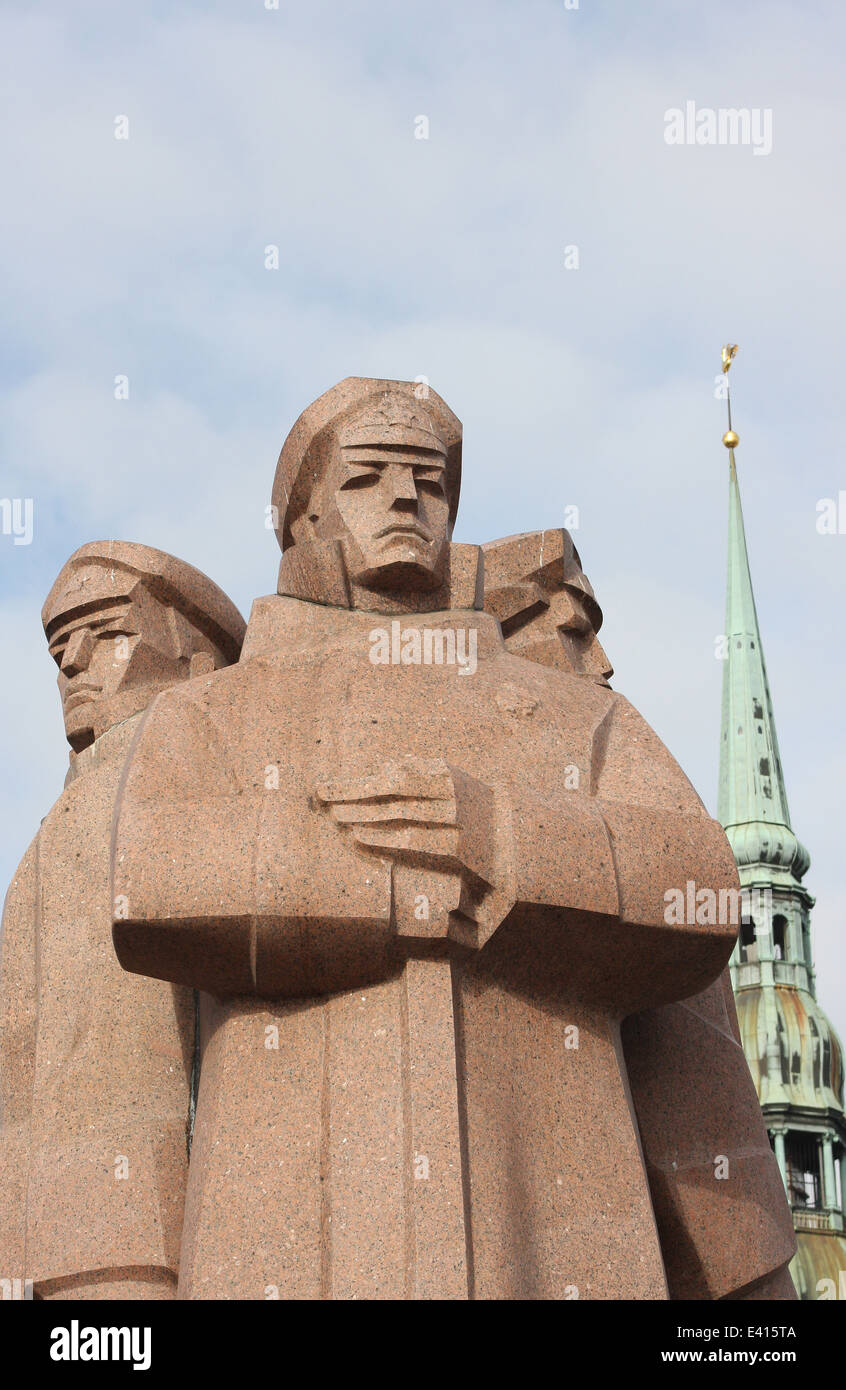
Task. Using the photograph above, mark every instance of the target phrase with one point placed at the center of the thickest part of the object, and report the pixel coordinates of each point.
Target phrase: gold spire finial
(730, 439)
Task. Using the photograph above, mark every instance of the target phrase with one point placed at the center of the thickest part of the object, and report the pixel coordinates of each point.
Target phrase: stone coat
(95, 1067)
(719, 1201)
(394, 1111)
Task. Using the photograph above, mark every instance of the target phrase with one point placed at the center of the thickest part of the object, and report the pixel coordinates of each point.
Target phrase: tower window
(748, 943)
(804, 1184)
(757, 710)
(780, 938)
(764, 767)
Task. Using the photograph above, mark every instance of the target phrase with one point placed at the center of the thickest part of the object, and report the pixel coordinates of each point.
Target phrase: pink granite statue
(722, 1218)
(422, 880)
(96, 1064)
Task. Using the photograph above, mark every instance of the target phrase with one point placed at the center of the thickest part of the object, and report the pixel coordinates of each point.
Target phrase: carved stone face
(394, 514)
(114, 657)
(365, 496)
(551, 621)
(535, 586)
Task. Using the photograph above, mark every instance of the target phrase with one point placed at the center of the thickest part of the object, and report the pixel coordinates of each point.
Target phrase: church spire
(752, 800)
(794, 1054)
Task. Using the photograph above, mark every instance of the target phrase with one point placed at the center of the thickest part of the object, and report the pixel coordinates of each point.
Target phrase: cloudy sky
(253, 127)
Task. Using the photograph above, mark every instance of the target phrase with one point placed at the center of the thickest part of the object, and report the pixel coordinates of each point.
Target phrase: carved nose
(402, 487)
(77, 653)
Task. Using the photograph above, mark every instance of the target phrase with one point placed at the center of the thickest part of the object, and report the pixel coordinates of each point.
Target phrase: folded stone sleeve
(234, 889)
(665, 845)
(602, 876)
(562, 855)
(117, 1225)
(619, 860)
(656, 852)
(192, 860)
(206, 896)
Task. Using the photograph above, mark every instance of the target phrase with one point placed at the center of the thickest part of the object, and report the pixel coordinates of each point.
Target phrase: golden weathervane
(730, 439)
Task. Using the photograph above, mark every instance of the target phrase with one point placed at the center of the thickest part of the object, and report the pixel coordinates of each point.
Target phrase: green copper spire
(794, 1053)
(752, 800)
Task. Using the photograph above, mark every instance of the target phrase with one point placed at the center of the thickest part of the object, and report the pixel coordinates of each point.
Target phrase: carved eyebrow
(422, 460)
(61, 638)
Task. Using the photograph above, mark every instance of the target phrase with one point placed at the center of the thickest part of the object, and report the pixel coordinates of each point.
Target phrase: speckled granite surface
(413, 855)
(424, 893)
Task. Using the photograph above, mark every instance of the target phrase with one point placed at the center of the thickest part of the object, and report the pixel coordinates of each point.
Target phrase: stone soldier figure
(536, 587)
(96, 1064)
(723, 1222)
(421, 929)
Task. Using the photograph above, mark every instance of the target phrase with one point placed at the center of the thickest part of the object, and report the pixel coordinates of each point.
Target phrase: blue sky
(445, 257)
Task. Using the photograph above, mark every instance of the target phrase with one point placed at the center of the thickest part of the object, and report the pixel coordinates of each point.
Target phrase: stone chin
(88, 721)
(79, 724)
(398, 574)
(398, 562)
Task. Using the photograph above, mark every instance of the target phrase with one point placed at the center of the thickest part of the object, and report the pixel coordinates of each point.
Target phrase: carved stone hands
(438, 827)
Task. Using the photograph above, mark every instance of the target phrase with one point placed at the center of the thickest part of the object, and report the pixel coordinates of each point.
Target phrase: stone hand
(436, 823)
